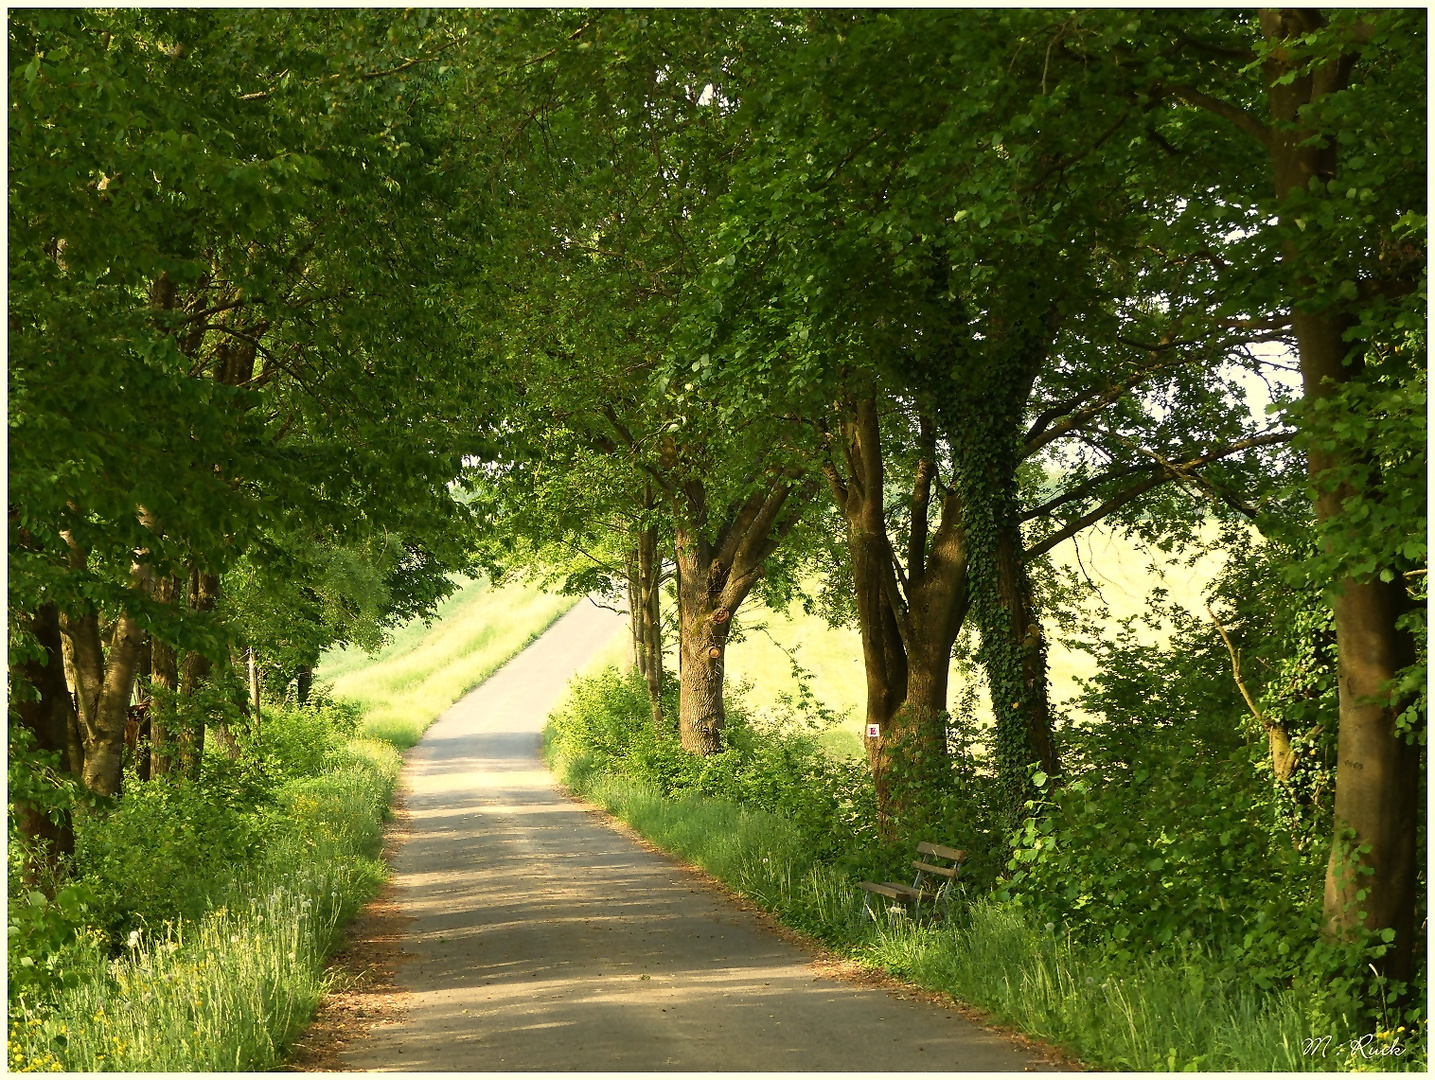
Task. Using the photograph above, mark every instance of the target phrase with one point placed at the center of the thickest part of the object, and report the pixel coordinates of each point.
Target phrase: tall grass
(1154, 1014)
(232, 990)
(427, 667)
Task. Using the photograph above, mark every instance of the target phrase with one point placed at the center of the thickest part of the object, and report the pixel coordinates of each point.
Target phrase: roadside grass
(1150, 1016)
(230, 991)
(426, 668)
(1157, 1014)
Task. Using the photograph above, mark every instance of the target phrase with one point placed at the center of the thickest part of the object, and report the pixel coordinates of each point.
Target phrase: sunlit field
(1122, 571)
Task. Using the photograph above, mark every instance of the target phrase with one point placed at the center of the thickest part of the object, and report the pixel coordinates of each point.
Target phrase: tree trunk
(908, 626)
(304, 683)
(1377, 772)
(144, 737)
(164, 678)
(714, 578)
(650, 625)
(194, 673)
(1028, 645)
(103, 684)
(52, 720)
(884, 656)
(702, 631)
(254, 689)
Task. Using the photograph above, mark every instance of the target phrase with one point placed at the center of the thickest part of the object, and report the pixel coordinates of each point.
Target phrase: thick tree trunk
(703, 625)
(714, 578)
(52, 720)
(103, 684)
(1028, 645)
(884, 659)
(914, 754)
(907, 627)
(304, 683)
(1377, 773)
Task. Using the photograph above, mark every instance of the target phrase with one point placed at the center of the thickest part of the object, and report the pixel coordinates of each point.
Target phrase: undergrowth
(194, 933)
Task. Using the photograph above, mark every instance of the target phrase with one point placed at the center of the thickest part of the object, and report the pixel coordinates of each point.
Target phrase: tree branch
(1171, 472)
(1244, 120)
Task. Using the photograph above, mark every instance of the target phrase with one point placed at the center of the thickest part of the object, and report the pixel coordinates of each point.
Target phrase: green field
(426, 667)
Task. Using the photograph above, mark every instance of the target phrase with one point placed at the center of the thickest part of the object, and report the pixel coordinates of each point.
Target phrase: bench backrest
(942, 852)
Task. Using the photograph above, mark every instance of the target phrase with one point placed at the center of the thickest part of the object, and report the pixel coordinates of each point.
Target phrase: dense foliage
(294, 821)
(310, 311)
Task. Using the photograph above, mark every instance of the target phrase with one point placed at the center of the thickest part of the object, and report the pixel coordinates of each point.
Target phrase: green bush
(1170, 829)
(780, 767)
(47, 941)
(166, 850)
(1171, 857)
(194, 937)
(163, 851)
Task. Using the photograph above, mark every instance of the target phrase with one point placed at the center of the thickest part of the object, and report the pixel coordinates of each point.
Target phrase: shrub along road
(543, 939)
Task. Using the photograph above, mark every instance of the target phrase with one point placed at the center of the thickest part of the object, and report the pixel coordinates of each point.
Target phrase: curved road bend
(544, 940)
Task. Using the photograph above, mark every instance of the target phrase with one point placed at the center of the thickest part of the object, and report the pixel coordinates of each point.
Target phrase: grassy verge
(426, 668)
(1166, 1013)
(230, 990)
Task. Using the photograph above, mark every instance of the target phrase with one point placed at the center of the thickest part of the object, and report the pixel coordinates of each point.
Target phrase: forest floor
(525, 930)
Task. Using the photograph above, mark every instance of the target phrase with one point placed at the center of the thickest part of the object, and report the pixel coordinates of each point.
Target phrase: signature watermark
(1377, 1044)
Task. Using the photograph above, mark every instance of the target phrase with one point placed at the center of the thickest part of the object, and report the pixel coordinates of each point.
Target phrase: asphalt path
(543, 939)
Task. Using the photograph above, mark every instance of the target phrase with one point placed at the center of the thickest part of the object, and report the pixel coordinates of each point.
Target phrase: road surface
(542, 939)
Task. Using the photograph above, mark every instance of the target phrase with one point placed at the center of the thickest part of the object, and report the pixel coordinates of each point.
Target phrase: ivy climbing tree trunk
(1012, 650)
(1029, 642)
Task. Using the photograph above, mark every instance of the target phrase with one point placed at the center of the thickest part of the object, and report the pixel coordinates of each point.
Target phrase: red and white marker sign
(874, 731)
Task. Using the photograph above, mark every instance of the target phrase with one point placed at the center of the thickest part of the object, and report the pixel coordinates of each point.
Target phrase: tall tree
(965, 260)
(1323, 110)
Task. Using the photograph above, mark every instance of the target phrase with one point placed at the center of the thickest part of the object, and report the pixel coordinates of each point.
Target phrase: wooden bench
(942, 876)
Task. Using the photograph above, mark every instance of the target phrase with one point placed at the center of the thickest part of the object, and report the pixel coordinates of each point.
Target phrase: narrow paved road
(544, 940)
